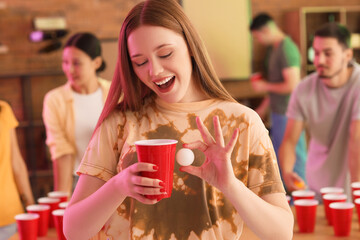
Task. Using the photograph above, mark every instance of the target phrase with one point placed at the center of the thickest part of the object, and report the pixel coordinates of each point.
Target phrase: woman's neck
(88, 88)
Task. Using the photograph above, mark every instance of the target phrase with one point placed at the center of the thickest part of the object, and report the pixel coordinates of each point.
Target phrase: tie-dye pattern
(195, 210)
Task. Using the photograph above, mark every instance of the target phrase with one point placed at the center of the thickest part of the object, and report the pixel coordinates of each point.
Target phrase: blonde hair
(127, 86)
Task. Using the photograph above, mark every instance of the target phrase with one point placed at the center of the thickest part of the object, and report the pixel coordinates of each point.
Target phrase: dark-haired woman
(71, 111)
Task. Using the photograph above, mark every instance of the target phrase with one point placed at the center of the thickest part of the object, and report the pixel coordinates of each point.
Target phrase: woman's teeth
(164, 81)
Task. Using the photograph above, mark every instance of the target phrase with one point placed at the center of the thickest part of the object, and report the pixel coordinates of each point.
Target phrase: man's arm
(354, 151)
(287, 153)
(291, 77)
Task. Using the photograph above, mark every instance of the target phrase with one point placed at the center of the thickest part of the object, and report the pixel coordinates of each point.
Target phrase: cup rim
(63, 204)
(355, 184)
(335, 196)
(48, 200)
(356, 193)
(341, 205)
(155, 142)
(306, 202)
(302, 193)
(58, 212)
(326, 190)
(37, 207)
(27, 216)
(56, 194)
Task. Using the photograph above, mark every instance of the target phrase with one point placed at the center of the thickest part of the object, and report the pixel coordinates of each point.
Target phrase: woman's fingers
(143, 167)
(196, 171)
(196, 145)
(231, 144)
(147, 182)
(218, 132)
(208, 139)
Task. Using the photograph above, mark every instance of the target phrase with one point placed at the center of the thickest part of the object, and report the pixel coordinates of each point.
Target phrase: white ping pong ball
(185, 157)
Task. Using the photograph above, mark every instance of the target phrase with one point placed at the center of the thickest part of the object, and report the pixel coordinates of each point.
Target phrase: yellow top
(10, 203)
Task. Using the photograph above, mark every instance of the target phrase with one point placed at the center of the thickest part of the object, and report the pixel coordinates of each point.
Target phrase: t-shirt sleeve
(264, 175)
(291, 54)
(356, 108)
(7, 116)
(53, 115)
(294, 110)
(101, 156)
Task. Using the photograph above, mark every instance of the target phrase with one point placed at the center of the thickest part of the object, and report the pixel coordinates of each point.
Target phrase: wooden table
(322, 231)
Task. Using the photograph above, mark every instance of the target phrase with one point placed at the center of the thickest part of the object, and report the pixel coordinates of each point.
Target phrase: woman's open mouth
(166, 83)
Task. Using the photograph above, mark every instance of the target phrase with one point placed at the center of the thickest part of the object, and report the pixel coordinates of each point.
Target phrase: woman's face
(161, 60)
(78, 67)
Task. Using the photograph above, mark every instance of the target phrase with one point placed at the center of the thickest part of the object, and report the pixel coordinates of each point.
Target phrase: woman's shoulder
(236, 108)
(60, 92)
(104, 83)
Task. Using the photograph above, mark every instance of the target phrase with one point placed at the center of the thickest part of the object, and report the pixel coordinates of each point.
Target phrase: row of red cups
(48, 213)
(337, 210)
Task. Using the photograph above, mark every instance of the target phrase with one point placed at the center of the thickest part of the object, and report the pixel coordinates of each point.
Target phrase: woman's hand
(132, 184)
(217, 169)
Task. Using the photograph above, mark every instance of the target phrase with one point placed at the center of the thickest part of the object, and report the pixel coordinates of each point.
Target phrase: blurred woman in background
(71, 111)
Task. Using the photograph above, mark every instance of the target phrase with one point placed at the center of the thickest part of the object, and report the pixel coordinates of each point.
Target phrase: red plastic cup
(53, 203)
(44, 214)
(330, 198)
(356, 194)
(357, 204)
(58, 216)
(63, 205)
(354, 187)
(327, 190)
(255, 76)
(27, 224)
(160, 152)
(303, 194)
(63, 196)
(306, 214)
(341, 217)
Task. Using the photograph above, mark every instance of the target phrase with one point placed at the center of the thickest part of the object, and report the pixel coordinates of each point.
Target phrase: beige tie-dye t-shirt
(195, 210)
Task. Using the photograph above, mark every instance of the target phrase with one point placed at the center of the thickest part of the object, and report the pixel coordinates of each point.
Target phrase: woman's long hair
(127, 86)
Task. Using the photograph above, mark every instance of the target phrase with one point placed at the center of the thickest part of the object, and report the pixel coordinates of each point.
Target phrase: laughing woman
(168, 89)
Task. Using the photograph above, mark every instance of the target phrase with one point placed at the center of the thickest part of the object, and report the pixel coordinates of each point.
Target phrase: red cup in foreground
(303, 194)
(341, 213)
(306, 214)
(327, 190)
(58, 216)
(44, 214)
(63, 196)
(330, 198)
(53, 203)
(160, 152)
(357, 204)
(27, 224)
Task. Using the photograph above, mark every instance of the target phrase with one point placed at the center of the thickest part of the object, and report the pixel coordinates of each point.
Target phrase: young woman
(71, 111)
(165, 87)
